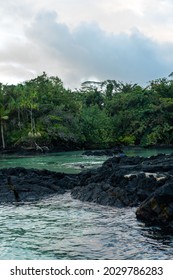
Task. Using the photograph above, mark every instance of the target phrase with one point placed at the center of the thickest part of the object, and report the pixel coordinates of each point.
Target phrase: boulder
(157, 209)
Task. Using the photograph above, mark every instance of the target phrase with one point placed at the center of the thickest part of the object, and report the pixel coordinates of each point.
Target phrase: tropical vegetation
(41, 113)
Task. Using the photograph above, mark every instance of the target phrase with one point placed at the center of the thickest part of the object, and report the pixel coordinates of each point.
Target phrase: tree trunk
(2, 135)
(18, 116)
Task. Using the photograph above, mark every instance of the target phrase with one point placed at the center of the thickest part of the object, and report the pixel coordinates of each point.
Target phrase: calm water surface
(63, 228)
(69, 162)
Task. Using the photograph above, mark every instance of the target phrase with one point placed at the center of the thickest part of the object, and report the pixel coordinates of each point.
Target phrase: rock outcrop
(157, 209)
(146, 183)
(122, 181)
(24, 185)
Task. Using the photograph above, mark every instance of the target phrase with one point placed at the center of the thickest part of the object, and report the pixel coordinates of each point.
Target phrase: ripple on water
(63, 228)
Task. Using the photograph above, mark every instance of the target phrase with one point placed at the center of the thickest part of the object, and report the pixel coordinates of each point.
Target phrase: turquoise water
(63, 228)
(147, 152)
(69, 162)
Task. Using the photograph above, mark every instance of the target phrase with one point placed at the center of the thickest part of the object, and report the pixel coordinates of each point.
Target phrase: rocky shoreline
(145, 183)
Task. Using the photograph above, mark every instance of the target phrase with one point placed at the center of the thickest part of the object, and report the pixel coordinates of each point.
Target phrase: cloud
(89, 51)
(77, 40)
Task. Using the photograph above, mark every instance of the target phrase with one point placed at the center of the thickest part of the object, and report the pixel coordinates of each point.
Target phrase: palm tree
(4, 112)
(3, 118)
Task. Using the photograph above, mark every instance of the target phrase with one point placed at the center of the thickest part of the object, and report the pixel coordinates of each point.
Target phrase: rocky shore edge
(145, 183)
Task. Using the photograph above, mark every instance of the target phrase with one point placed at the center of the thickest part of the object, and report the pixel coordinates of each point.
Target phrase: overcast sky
(79, 40)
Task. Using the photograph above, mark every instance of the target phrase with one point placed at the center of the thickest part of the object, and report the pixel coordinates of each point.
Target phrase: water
(147, 152)
(69, 162)
(63, 228)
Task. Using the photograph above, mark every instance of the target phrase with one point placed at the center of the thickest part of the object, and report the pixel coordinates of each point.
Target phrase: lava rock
(24, 185)
(146, 183)
(158, 207)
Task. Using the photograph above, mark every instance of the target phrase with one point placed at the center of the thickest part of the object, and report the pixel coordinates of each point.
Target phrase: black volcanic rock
(146, 183)
(126, 180)
(158, 207)
(23, 185)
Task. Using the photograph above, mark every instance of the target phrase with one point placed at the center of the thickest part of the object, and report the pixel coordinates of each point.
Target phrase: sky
(80, 40)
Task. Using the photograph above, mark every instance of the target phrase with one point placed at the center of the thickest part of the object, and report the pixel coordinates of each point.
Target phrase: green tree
(3, 114)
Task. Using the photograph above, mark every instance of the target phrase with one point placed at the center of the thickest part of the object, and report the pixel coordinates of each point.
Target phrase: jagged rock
(23, 185)
(158, 207)
(146, 183)
(130, 181)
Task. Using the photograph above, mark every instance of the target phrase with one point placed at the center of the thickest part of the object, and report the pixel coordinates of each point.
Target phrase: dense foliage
(41, 112)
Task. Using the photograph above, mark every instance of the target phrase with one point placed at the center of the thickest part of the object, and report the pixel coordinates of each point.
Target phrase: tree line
(42, 112)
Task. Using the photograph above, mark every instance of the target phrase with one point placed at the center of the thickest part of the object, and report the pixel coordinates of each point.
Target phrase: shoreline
(145, 183)
(33, 151)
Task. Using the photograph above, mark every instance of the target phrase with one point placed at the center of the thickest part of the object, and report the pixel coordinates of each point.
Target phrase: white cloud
(115, 39)
(89, 50)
